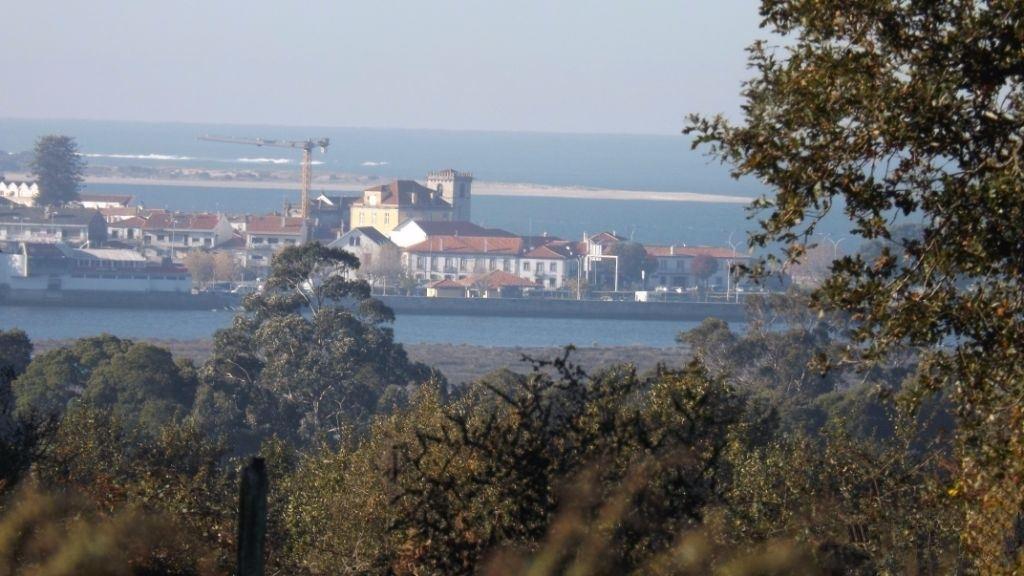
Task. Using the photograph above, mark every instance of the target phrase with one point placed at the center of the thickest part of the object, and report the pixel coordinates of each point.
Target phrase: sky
(598, 66)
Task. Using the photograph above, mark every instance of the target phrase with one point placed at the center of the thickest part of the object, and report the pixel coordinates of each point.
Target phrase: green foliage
(912, 110)
(489, 469)
(633, 261)
(15, 354)
(59, 170)
(703, 267)
(48, 535)
(308, 356)
(143, 383)
(139, 382)
(53, 379)
(175, 473)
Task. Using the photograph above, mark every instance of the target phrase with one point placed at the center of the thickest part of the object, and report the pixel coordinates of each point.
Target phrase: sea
(663, 163)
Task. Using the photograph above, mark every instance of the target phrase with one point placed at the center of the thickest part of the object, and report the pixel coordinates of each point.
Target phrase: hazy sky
(544, 65)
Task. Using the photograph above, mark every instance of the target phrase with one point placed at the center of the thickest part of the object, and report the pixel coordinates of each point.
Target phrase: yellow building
(386, 206)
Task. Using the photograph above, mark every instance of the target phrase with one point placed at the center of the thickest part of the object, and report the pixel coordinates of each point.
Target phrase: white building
(411, 232)
(674, 267)
(551, 265)
(77, 226)
(100, 201)
(23, 193)
(55, 267)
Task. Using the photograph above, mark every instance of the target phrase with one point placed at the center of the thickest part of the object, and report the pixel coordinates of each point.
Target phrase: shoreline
(480, 188)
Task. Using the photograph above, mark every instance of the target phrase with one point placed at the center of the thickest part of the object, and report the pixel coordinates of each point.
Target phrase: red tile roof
(273, 224)
(119, 211)
(468, 245)
(496, 279)
(557, 250)
(408, 193)
(169, 221)
(133, 222)
(458, 228)
(445, 283)
(111, 198)
(714, 252)
(606, 238)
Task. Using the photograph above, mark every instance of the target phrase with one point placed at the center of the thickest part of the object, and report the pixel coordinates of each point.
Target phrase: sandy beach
(481, 188)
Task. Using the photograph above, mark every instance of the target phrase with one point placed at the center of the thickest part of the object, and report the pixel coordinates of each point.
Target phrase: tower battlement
(455, 188)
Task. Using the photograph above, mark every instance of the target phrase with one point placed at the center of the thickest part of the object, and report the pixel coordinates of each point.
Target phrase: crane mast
(306, 146)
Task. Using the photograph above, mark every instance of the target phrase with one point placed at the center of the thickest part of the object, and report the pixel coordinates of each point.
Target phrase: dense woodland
(874, 425)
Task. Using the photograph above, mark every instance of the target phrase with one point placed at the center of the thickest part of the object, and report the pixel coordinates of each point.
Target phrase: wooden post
(252, 518)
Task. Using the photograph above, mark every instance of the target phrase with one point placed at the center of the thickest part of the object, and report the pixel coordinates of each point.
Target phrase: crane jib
(306, 146)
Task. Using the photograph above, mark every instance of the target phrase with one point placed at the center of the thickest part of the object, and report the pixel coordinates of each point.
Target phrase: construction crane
(306, 146)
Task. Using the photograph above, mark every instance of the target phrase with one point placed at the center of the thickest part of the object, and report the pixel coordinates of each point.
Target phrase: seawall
(411, 305)
(541, 308)
(111, 299)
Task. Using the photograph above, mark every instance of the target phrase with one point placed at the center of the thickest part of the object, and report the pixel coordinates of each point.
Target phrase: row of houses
(446, 255)
(405, 228)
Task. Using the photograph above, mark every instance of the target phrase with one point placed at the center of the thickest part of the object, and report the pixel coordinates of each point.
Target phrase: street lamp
(834, 243)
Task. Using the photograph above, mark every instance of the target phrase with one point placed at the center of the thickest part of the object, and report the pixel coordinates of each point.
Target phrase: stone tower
(455, 188)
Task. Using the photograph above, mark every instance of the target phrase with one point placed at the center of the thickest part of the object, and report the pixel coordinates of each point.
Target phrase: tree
(201, 266)
(703, 267)
(15, 352)
(54, 379)
(224, 267)
(59, 170)
(384, 267)
(143, 387)
(633, 261)
(307, 357)
(891, 111)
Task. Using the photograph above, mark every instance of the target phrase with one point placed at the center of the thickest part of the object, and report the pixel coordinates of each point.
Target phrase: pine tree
(58, 169)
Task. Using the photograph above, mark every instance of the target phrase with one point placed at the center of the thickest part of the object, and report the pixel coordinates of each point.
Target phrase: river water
(44, 323)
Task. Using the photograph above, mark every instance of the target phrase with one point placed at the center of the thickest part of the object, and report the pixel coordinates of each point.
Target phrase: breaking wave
(372, 164)
(264, 160)
(169, 157)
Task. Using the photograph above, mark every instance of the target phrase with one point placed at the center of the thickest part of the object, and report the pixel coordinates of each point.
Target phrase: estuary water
(44, 323)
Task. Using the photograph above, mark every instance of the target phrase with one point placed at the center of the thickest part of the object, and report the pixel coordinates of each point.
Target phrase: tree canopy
(309, 354)
(59, 170)
(891, 111)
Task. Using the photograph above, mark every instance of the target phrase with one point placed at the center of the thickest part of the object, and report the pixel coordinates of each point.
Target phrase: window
(553, 267)
(526, 265)
(387, 217)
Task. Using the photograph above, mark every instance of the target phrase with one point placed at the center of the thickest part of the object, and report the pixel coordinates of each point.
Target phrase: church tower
(455, 188)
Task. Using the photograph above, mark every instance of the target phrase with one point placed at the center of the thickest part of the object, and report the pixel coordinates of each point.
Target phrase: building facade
(76, 226)
(455, 188)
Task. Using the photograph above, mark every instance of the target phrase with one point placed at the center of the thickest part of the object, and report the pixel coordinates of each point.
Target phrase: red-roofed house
(178, 233)
(265, 235)
(446, 289)
(457, 256)
(386, 206)
(674, 265)
(496, 284)
(552, 264)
